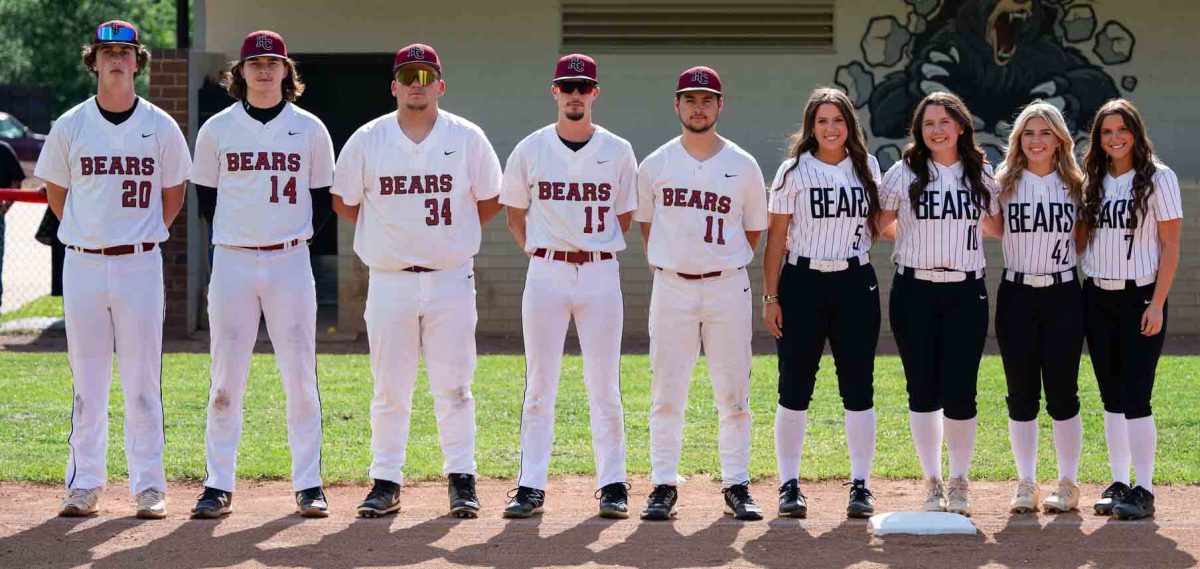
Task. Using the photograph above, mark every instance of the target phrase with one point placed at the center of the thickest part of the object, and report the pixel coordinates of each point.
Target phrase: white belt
(835, 265)
(1121, 284)
(939, 275)
(1039, 281)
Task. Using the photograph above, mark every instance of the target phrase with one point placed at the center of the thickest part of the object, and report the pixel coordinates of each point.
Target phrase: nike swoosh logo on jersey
(604, 161)
(448, 152)
(1147, 302)
(147, 135)
(873, 288)
(730, 175)
(747, 289)
(290, 133)
(983, 297)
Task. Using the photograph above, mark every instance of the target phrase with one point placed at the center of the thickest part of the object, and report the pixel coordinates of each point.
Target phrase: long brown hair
(804, 141)
(917, 155)
(233, 81)
(1015, 161)
(1096, 164)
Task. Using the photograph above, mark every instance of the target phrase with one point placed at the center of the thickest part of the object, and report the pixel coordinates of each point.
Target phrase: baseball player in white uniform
(115, 168)
(702, 206)
(419, 184)
(569, 188)
(262, 156)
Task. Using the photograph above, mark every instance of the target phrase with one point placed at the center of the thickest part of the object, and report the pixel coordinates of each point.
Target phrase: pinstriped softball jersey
(1039, 217)
(1115, 252)
(828, 206)
(944, 231)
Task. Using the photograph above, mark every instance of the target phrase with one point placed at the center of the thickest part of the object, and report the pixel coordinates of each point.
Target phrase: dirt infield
(263, 532)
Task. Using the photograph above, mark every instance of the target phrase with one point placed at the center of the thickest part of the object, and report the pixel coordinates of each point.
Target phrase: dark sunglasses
(116, 33)
(406, 75)
(582, 87)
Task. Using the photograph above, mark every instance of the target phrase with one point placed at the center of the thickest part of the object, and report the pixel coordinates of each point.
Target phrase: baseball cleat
(792, 502)
(614, 500)
(957, 501)
(1064, 498)
(660, 505)
(1111, 496)
(1025, 501)
(213, 503)
(862, 501)
(383, 499)
(151, 504)
(80, 502)
(525, 502)
(935, 495)
(463, 501)
(311, 503)
(740, 504)
(1137, 504)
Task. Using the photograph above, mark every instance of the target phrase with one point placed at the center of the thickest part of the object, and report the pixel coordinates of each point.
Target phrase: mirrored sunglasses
(406, 76)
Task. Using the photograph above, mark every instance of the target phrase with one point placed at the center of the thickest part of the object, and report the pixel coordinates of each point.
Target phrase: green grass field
(51, 306)
(35, 418)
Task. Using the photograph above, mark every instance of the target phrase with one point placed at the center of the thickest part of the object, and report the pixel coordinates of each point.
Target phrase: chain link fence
(27, 269)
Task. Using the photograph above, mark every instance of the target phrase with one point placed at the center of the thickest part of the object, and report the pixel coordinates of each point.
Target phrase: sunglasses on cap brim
(116, 34)
(582, 87)
(406, 76)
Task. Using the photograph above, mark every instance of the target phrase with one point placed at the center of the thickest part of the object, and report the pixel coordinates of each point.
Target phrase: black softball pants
(1040, 333)
(842, 307)
(940, 330)
(1124, 360)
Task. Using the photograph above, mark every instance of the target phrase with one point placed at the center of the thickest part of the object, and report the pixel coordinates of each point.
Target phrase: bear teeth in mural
(998, 55)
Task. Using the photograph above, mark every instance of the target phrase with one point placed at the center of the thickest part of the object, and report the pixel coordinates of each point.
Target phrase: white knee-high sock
(1023, 436)
(1068, 444)
(960, 445)
(860, 438)
(1116, 434)
(927, 437)
(789, 441)
(1143, 442)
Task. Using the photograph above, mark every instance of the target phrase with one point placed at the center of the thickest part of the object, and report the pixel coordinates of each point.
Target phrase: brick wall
(168, 90)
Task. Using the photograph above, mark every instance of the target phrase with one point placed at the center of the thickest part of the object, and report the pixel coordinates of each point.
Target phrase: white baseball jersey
(115, 174)
(1039, 222)
(1117, 252)
(418, 200)
(263, 173)
(943, 232)
(573, 198)
(700, 211)
(828, 206)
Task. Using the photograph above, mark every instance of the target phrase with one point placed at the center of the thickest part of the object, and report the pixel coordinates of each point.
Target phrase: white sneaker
(956, 500)
(1065, 498)
(1027, 498)
(80, 502)
(151, 504)
(935, 495)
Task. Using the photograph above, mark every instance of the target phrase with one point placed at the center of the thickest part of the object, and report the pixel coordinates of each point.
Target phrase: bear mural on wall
(998, 55)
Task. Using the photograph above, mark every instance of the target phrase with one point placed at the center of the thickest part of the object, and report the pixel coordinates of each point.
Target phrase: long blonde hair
(1015, 161)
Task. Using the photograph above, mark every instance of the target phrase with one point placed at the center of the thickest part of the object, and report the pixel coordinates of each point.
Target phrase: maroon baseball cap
(116, 32)
(263, 43)
(575, 67)
(699, 78)
(417, 53)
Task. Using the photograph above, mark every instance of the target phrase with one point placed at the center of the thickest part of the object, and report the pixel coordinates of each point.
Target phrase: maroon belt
(417, 269)
(698, 277)
(274, 247)
(115, 250)
(573, 257)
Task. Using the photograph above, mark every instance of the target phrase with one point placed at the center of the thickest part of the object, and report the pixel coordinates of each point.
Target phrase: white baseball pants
(409, 315)
(685, 314)
(279, 286)
(555, 292)
(116, 302)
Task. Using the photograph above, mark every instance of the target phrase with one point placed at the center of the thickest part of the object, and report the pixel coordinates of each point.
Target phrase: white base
(922, 523)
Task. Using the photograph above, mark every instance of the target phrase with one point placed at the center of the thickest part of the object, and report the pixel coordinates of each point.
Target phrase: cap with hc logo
(417, 53)
(116, 32)
(699, 78)
(575, 67)
(263, 43)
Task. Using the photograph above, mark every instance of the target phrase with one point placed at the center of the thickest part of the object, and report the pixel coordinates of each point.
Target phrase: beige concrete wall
(499, 56)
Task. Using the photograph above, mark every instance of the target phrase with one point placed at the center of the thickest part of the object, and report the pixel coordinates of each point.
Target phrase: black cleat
(1110, 498)
(383, 499)
(525, 502)
(791, 500)
(661, 503)
(212, 504)
(862, 501)
(614, 500)
(311, 503)
(463, 502)
(740, 504)
(1137, 504)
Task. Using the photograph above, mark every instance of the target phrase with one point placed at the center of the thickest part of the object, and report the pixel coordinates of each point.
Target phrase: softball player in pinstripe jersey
(824, 207)
(938, 307)
(1132, 215)
(1039, 310)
